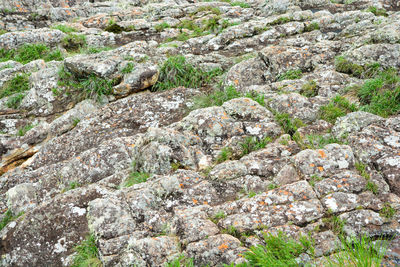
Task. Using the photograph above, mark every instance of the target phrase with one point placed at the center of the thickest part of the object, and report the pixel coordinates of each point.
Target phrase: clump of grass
(337, 107)
(290, 75)
(75, 121)
(162, 26)
(315, 179)
(218, 216)
(387, 211)
(115, 28)
(279, 250)
(381, 95)
(209, 9)
(2, 31)
(288, 124)
(272, 186)
(241, 4)
(136, 178)
(181, 261)
(177, 72)
(128, 68)
(89, 87)
(359, 251)
(251, 144)
(311, 27)
(74, 42)
(281, 20)
(64, 28)
(377, 11)
(30, 52)
(94, 50)
(24, 129)
(18, 84)
(225, 154)
(9, 217)
(334, 223)
(87, 253)
(71, 186)
(310, 89)
(371, 186)
(15, 100)
(231, 230)
(319, 141)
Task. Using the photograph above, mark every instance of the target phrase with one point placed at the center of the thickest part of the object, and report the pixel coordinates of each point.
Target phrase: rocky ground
(191, 129)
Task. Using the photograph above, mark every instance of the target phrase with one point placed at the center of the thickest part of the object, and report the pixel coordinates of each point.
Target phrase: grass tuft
(8, 217)
(87, 254)
(18, 84)
(338, 107)
(136, 178)
(30, 52)
(290, 75)
(288, 124)
(64, 28)
(176, 72)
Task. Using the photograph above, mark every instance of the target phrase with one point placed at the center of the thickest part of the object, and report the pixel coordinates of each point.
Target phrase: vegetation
(162, 26)
(378, 11)
(8, 217)
(71, 186)
(64, 28)
(371, 186)
(337, 107)
(87, 254)
(290, 75)
(310, 89)
(15, 100)
(315, 179)
(94, 50)
(218, 216)
(177, 72)
(225, 154)
(251, 144)
(381, 95)
(387, 211)
(30, 52)
(319, 141)
(241, 4)
(136, 178)
(362, 170)
(311, 27)
(281, 20)
(74, 42)
(288, 124)
(18, 84)
(128, 68)
(279, 250)
(359, 251)
(180, 261)
(24, 129)
(334, 223)
(90, 87)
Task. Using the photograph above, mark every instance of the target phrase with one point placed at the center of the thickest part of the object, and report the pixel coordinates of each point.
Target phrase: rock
(21, 198)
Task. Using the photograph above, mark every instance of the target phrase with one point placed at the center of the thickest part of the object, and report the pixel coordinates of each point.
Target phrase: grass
(30, 52)
(359, 251)
(381, 95)
(90, 87)
(288, 124)
(208, 9)
(334, 223)
(290, 75)
(337, 107)
(377, 11)
(240, 4)
(8, 217)
(272, 186)
(2, 31)
(251, 144)
(218, 216)
(281, 20)
(279, 250)
(64, 28)
(180, 261)
(15, 100)
(371, 186)
(18, 84)
(310, 89)
(311, 27)
(387, 211)
(225, 154)
(71, 186)
(216, 98)
(94, 50)
(162, 26)
(362, 170)
(176, 72)
(344, 65)
(136, 178)
(74, 42)
(315, 179)
(24, 129)
(87, 254)
(128, 68)
(319, 141)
